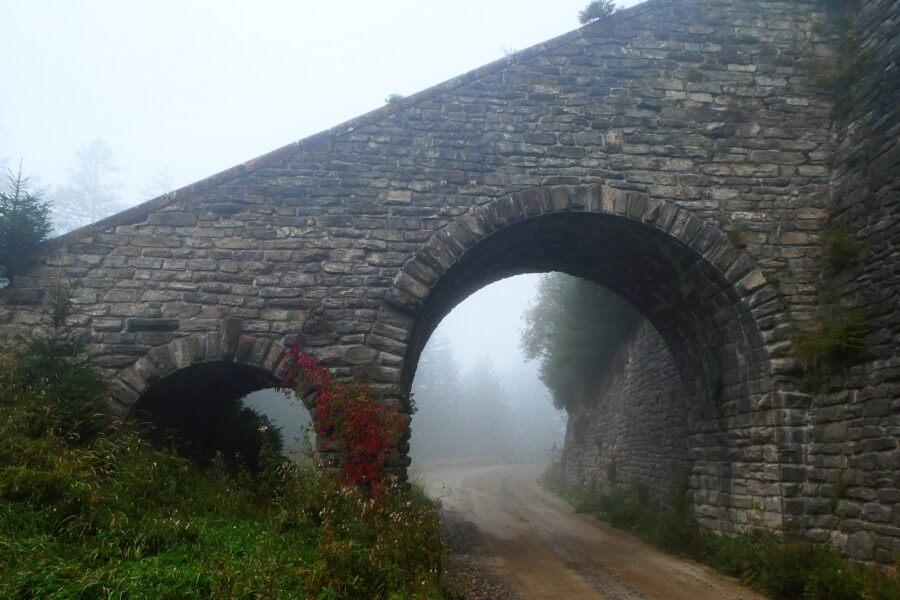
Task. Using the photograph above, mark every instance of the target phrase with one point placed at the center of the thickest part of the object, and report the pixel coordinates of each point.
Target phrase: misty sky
(488, 322)
(195, 87)
(198, 86)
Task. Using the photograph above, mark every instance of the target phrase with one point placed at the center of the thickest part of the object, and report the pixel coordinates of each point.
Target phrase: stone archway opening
(224, 409)
(696, 310)
(700, 293)
(480, 401)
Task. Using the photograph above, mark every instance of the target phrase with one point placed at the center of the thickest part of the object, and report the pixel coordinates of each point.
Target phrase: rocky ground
(466, 567)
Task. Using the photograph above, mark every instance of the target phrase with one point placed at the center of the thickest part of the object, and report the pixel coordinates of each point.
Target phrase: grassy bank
(789, 570)
(87, 511)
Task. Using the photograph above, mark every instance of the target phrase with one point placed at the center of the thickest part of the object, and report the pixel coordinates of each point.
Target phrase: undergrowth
(89, 511)
(786, 570)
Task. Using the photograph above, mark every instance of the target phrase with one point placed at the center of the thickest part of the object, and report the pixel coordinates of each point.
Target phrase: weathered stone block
(173, 218)
(145, 324)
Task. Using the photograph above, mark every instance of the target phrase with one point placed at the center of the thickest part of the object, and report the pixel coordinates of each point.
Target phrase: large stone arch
(717, 313)
(433, 280)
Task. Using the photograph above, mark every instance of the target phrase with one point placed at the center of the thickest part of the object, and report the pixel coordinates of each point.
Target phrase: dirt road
(543, 549)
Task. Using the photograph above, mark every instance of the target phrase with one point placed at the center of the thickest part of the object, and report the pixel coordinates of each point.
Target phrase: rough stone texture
(634, 428)
(676, 152)
(853, 481)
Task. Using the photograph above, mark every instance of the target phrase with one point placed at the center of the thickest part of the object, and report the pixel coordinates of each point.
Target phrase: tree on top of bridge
(596, 10)
(24, 223)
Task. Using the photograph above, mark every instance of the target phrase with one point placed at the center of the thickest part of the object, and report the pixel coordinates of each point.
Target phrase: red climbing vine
(348, 418)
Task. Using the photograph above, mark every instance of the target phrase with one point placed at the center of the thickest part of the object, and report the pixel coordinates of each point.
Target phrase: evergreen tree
(24, 223)
(90, 194)
(436, 392)
(575, 327)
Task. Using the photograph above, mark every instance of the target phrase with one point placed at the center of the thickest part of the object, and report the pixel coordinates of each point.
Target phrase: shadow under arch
(711, 305)
(700, 291)
(192, 388)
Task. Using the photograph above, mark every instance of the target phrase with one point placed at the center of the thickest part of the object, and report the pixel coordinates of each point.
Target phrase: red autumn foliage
(348, 419)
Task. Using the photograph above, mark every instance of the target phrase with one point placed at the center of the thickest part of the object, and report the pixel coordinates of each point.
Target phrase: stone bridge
(683, 153)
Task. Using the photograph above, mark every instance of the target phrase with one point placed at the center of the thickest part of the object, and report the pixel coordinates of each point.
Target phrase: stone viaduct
(687, 154)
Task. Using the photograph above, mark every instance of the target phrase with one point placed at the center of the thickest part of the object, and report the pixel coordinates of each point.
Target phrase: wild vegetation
(575, 327)
(837, 336)
(597, 9)
(24, 223)
(89, 510)
(788, 569)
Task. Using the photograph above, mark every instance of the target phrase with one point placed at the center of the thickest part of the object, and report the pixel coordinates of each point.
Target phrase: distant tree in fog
(489, 419)
(91, 194)
(536, 424)
(574, 327)
(436, 392)
(159, 184)
(482, 413)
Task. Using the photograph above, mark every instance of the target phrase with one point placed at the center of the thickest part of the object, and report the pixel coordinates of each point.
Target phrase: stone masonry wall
(704, 104)
(852, 485)
(634, 428)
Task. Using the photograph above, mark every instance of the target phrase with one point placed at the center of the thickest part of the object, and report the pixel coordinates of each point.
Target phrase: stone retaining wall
(632, 433)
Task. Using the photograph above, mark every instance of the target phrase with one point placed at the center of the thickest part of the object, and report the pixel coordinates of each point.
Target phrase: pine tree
(24, 223)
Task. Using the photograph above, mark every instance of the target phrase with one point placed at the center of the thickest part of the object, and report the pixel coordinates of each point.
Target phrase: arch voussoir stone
(181, 352)
(687, 229)
(258, 351)
(453, 245)
(461, 235)
(421, 270)
(560, 198)
(723, 255)
(586, 198)
(531, 203)
(636, 204)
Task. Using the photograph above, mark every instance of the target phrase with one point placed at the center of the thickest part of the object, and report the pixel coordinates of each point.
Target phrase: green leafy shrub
(838, 335)
(597, 9)
(69, 399)
(840, 248)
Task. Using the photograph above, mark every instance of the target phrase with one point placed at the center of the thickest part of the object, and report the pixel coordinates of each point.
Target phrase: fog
(476, 396)
(182, 90)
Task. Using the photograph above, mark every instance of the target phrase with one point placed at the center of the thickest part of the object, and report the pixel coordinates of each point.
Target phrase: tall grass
(88, 511)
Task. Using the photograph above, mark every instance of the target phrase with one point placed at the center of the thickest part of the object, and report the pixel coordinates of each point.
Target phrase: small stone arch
(266, 355)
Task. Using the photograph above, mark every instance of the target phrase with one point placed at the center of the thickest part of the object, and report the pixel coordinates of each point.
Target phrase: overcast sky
(199, 86)
(195, 87)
